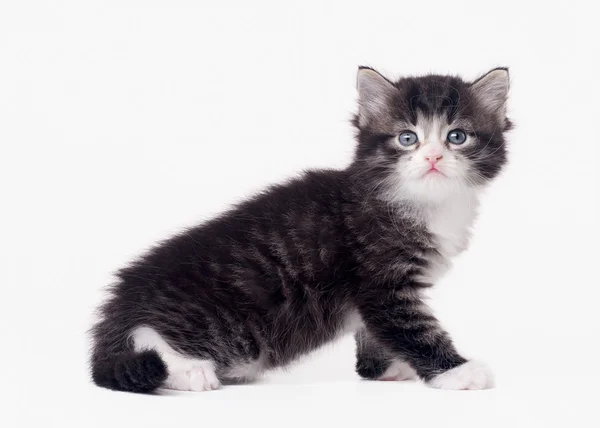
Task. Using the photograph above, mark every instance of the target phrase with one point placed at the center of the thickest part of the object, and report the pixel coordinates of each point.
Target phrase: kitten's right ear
(373, 91)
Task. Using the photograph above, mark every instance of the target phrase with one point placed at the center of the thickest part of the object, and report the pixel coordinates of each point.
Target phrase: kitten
(329, 253)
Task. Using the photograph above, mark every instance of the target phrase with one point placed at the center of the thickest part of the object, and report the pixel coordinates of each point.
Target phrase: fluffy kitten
(326, 254)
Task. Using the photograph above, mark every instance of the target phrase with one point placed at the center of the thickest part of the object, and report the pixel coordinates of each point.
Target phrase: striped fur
(334, 251)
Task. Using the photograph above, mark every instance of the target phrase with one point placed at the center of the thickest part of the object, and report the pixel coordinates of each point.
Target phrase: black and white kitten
(329, 253)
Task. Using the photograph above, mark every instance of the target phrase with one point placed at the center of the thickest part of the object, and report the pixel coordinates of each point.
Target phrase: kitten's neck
(450, 221)
(463, 202)
(448, 217)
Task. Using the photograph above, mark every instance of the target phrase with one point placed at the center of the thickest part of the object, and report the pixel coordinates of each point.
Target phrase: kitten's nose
(433, 159)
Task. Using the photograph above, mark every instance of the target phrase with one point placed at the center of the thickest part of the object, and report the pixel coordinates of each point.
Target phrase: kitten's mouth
(434, 171)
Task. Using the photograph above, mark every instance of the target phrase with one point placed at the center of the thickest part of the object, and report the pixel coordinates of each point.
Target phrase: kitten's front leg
(406, 327)
(375, 362)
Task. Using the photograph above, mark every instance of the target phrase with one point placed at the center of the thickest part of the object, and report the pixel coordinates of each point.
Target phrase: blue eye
(456, 136)
(408, 138)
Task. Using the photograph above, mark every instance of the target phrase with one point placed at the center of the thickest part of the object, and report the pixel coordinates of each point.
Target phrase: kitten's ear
(492, 90)
(373, 91)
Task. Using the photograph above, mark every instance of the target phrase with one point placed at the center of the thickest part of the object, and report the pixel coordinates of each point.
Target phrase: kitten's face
(427, 138)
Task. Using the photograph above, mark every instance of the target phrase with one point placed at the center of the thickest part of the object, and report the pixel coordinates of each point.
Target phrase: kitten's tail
(131, 372)
(115, 365)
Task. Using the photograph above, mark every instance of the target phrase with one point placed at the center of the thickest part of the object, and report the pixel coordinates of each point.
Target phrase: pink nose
(433, 159)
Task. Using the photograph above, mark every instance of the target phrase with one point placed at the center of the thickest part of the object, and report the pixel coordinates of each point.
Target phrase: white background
(122, 122)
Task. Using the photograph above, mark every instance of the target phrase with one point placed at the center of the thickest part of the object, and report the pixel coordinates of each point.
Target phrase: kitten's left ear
(492, 90)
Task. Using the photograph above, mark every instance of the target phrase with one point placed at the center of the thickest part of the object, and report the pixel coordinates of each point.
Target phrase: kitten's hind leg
(185, 373)
(374, 362)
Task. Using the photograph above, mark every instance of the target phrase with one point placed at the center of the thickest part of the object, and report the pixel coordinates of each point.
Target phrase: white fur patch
(470, 375)
(246, 371)
(399, 370)
(352, 323)
(185, 374)
(450, 222)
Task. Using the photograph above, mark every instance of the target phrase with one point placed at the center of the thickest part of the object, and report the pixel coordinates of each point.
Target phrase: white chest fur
(450, 225)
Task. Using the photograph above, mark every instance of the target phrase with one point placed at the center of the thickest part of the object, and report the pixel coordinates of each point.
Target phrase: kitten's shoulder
(310, 186)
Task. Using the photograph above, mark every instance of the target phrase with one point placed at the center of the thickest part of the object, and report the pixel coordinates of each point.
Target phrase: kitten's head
(426, 138)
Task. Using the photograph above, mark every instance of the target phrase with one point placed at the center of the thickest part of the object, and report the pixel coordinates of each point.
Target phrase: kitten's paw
(202, 379)
(194, 376)
(470, 375)
(398, 371)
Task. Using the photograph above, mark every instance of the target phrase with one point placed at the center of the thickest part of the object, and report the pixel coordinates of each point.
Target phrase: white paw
(202, 379)
(399, 370)
(470, 375)
(196, 376)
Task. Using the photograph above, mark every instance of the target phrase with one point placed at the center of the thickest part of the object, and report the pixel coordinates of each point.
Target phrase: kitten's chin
(429, 188)
(433, 188)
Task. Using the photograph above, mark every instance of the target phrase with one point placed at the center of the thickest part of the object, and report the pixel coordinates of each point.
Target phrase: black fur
(129, 371)
(280, 274)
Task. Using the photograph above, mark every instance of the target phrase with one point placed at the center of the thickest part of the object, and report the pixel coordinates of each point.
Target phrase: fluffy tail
(116, 365)
(130, 371)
